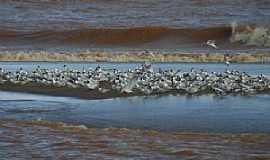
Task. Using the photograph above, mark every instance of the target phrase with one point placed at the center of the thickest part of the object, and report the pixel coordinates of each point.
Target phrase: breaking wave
(250, 35)
(229, 37)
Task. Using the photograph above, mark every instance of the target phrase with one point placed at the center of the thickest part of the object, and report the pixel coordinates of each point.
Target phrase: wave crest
(252, 36)
(141, 37)
(161, 37)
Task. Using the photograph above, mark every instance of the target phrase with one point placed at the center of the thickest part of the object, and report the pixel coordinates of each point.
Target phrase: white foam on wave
(252, 36)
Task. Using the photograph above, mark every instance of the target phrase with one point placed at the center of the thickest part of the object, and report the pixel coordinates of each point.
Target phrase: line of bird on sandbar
(142, 79)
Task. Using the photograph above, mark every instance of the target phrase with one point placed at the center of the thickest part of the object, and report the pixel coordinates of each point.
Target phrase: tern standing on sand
(226, 59)
(227, 62)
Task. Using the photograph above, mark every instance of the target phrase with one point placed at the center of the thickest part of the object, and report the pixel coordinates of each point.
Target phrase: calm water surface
(254, 69)
(170, 113)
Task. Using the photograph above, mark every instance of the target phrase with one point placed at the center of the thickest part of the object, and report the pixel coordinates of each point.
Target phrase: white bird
(227, 63)
(128, 88)
(91, 84)
(151, 54)
(2, 81)
(212, 43)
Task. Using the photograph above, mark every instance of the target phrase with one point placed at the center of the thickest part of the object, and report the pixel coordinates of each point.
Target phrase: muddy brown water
(48, 140)
(123, 25)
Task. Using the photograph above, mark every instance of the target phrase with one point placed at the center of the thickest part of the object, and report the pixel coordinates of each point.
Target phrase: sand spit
(40, 139)
(99, 83)
(134, 57)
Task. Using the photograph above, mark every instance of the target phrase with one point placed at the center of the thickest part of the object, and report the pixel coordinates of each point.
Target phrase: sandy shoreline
(134, 57)
(81, 93)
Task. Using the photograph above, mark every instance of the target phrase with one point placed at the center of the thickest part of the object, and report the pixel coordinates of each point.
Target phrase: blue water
(254, 69)
(169, 113)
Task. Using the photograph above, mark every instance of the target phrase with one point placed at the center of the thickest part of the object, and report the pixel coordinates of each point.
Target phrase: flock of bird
(142, 79)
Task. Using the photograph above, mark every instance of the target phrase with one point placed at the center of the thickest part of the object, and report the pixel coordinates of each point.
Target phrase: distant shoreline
(135, 57)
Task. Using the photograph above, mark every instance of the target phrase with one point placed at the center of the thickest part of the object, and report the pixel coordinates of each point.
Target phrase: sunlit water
(206, 113)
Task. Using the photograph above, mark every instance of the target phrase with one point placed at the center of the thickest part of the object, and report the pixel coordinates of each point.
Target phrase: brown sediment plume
(88, 56)
(70, 140)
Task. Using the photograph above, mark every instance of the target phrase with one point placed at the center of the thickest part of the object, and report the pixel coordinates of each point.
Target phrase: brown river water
(47, 140)
(123, 25)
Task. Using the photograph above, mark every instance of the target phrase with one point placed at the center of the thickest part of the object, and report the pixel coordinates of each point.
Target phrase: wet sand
(51, 140)
(81, 93)
(84, 93)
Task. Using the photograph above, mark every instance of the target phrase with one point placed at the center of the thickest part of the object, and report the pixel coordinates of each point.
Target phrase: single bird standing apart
(227, 63)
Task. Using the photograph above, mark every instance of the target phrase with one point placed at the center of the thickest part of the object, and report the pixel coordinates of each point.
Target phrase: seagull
(227, 63)
(212, 43)
(226, 59)
(151, 54)
(147, 67)
(128, 88)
